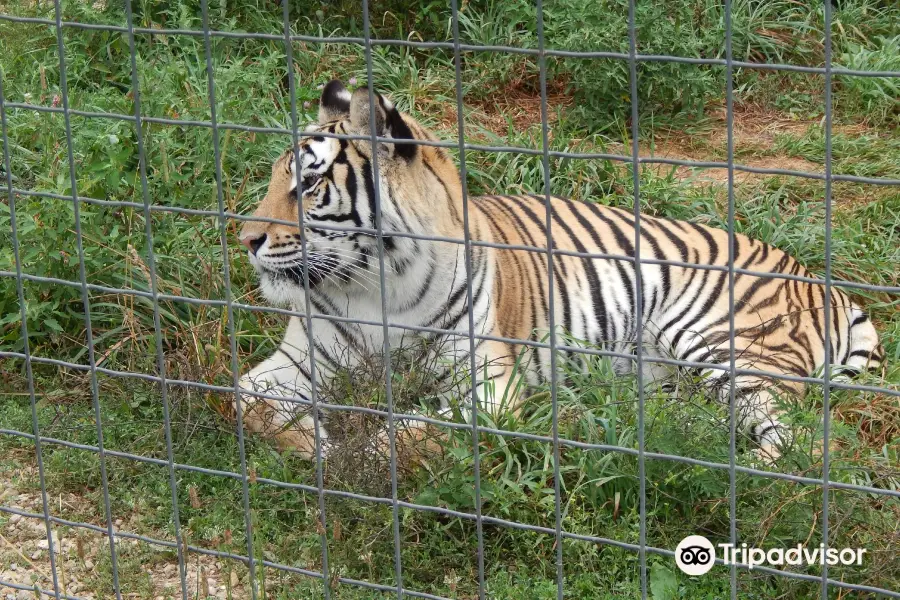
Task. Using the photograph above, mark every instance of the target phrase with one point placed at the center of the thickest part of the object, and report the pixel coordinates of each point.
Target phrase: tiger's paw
(771, 437)
(287, 422)
(414, 443)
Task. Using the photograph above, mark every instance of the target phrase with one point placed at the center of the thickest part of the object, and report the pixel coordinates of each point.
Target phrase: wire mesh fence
(229, 304)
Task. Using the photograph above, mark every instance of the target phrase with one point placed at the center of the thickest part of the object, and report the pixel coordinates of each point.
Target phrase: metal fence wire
(251, 559)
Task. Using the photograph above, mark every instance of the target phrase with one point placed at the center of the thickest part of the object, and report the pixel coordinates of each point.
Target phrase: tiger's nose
(254, 242)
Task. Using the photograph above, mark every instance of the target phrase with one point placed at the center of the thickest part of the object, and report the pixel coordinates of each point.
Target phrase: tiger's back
(779, 322)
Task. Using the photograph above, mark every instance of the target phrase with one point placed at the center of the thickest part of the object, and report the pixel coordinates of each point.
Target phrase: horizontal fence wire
(528, 343)
(451, 45)
(634, 160)
(503, 246)
(365, 584)
(474, 147)
(888, 492)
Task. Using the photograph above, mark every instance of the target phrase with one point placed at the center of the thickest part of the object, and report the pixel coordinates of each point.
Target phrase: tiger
(433, 289)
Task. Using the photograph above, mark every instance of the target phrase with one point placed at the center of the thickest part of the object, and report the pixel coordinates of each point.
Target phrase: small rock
(24, 595)
(88, 564)
(45, 545)
(13, 566)
(36, 555)
(15, 519)
(119, 522)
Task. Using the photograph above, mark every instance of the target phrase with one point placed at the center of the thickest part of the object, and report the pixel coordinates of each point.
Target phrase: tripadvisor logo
(695, 555)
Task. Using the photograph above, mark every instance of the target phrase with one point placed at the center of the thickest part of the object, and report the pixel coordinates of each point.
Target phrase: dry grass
(518, 109)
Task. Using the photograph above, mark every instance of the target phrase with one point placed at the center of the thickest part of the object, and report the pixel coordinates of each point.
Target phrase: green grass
(600, 493)
(600, 489)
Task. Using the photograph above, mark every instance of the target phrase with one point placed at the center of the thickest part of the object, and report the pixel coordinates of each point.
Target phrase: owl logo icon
(695, 555)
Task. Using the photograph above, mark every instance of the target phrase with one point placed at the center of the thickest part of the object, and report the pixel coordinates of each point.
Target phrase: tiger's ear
(335, 102)
(389, 122)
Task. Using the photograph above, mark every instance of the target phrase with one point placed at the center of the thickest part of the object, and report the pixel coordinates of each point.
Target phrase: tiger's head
(420, 193)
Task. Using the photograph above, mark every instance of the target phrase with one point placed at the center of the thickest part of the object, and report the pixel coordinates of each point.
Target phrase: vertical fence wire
(732, 422)
(23, 314)
(829, 303)
(551, 318)
(470, 308)
(319, 444)
(154, 290)
(313, 390)
(85, 301)
(638, 291)
(229, 308)
(385, 330)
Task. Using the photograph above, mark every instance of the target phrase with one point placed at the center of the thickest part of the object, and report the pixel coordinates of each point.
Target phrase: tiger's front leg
(276, 401)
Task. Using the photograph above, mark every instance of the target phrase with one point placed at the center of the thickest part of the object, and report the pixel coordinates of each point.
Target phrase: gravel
(24, 555)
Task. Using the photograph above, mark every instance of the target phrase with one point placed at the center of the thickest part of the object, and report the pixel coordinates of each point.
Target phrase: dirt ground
(24, 556)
